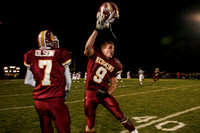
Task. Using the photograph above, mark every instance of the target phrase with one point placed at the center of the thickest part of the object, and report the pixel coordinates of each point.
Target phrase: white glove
(29, 78)
(68, 81)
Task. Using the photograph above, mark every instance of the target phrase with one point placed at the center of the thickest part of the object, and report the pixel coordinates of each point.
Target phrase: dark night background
(164, 34)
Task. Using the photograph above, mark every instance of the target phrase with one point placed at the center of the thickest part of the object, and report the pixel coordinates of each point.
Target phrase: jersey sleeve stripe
(68, 62)
(27, 65)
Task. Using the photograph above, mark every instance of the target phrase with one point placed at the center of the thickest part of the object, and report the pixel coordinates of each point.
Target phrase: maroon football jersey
(47, 67)
(100, 70)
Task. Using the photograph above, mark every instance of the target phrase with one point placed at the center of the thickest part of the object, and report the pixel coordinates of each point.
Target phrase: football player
(119, 77)
(85, 77)
(78, 76)
(141, 75)
(74, 77)
(178, 75)
(49, 66)
(102, 68)
(129, 75)
(155, 75)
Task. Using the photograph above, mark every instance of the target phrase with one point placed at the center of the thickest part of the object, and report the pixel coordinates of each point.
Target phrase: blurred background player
(78, 76)
(85, 77)
(178, 75)
(141, 75)
(155, 75)
(119, 77)
(49, 65)
(74, 76)
(129, 75)
(103, 68)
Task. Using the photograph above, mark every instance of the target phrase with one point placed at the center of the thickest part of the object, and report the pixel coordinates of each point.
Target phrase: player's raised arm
(89, 50)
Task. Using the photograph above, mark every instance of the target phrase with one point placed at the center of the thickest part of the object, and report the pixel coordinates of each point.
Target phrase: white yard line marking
(164, 118)
(78, 101)
(13, 108)
(168, 117)
(164, 89)
(14, 95)
(25, 107)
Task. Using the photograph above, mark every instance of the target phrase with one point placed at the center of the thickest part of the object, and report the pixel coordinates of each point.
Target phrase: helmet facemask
(106, 15)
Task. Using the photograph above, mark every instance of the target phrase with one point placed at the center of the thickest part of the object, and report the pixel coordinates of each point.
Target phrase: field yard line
(167, 88)
(77, 101)
(14, 95)
(25, 107)
(168, 117)
(164, 118)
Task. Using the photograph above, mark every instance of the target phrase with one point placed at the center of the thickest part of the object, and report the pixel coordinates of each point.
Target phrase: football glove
(102, 94)
(66, 94)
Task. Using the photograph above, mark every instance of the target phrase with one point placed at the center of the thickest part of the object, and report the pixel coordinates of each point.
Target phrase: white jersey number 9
(100, 73)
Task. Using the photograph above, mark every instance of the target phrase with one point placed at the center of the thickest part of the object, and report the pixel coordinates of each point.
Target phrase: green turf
(166, 98)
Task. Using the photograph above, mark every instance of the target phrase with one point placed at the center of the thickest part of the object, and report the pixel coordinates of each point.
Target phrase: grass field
(172, 105)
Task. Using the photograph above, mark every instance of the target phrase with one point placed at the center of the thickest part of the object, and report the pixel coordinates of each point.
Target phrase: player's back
(47, 66)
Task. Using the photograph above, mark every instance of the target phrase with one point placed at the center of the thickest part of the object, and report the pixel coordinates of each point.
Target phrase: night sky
(150, 34)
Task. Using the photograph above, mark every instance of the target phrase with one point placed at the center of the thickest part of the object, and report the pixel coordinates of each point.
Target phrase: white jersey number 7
(48, 63)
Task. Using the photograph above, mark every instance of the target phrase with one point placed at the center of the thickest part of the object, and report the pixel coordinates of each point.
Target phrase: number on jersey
(100, 73)
(47, 71)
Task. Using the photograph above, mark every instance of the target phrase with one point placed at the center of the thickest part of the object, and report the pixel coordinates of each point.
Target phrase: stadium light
(11, 71)
(195, 17)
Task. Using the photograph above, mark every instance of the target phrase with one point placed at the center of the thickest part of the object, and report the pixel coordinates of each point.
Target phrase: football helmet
(47, 39)
(106, 15)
